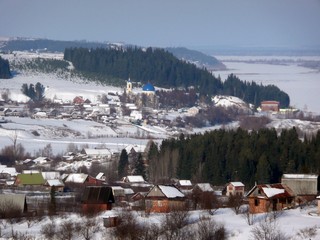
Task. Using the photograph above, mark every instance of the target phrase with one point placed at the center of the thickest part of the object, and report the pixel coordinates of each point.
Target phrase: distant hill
(46, 45)
(198, 58)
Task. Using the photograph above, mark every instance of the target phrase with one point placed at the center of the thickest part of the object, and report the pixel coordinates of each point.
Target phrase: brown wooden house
(96, 199)
(163, 198)
(270, 197)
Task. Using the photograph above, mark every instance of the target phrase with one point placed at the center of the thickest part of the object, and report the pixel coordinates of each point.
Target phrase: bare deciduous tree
(267, 229)
(173, 223)
(249, 217)
(235, 202)
(209, 229)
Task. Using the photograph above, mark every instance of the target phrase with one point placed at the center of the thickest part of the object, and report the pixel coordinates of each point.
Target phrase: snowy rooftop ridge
(237, 184)
(270, 192)
(303, 176)
(170, 191)
(205, 187)
(185, 183)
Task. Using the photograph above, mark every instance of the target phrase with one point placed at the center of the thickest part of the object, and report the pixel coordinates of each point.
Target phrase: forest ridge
(222, 156)
(163, 69)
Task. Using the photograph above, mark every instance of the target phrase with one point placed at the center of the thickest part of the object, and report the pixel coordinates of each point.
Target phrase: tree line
(4, 69)
(222, 156)
(163, 69)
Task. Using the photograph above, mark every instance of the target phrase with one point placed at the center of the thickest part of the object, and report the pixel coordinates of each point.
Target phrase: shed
(16, 201)
(96, 199)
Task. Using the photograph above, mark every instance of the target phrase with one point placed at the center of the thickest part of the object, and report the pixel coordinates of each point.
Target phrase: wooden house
(83, 179)
(235, 188)
(56, 183)
(163, 198)
(96, 199)
(202, 196)
(78, 100)
(270, 197)
(97, 153)
(119, 194)
(137, 201)
(184, 185)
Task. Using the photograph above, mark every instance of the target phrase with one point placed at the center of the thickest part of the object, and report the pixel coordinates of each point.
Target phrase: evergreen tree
(123, 164)
(263, 170)
(139, 167)
(4, 69)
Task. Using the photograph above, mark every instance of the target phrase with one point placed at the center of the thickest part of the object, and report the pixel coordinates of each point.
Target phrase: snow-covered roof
(99, 175)
(185, 183)
(128, 191)
(237, 184)
(76, 177)
(9, 170)
(30, 171)
(54, 182)
(300, 176)
(50, 175)
(136, 147)
(205, 187)
(134, 179)
(40, 160)
(270, 192)
(170, 191)
(97, 151)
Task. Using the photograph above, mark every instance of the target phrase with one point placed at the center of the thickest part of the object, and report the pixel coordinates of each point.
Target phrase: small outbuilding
(12, 204)
(96, 199)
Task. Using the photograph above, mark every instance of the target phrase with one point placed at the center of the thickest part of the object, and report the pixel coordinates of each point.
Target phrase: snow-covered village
(82, 166)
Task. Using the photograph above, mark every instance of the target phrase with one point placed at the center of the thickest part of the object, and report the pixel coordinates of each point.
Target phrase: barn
(305, 186)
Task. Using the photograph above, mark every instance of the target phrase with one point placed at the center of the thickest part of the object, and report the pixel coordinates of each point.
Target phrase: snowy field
(301, 83)
(291, 223)
(61, 132)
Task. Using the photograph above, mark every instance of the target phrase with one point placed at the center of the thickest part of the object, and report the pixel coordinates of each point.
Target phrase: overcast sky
(190, 23)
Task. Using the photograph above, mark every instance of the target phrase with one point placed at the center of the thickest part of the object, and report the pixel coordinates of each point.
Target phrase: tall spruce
(139, 167)
(5, 72)
(123, 164)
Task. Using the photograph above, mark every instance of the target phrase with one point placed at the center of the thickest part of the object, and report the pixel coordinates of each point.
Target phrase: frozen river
(301, 83)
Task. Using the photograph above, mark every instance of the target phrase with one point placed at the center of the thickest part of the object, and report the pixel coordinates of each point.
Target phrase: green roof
(30, 179)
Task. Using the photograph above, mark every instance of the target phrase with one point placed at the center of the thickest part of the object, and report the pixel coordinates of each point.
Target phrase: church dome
(148, 88)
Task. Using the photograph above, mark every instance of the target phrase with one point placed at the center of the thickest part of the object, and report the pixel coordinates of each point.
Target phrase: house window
(256, 202)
